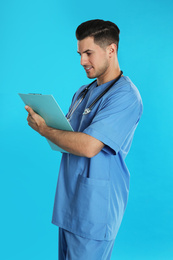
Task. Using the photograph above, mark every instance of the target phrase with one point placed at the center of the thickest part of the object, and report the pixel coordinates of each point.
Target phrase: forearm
(76, 143)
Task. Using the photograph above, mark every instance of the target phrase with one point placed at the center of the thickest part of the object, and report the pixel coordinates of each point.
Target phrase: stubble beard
(101, 71)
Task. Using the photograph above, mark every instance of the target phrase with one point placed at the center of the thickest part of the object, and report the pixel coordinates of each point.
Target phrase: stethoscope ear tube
(88, 110)
(77, 102)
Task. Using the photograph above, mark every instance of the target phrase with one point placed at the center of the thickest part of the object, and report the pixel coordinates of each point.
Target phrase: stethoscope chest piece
(86, 111)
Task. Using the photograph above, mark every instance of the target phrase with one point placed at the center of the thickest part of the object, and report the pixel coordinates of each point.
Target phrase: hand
(35, 121)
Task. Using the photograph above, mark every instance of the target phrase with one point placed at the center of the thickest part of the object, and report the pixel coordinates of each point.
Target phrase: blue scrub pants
(74, 247)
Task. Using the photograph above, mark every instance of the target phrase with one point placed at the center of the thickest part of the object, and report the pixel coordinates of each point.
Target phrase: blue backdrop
(38, 54)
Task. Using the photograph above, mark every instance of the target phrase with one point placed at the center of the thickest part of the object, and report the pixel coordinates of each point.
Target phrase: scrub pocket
(91, 200)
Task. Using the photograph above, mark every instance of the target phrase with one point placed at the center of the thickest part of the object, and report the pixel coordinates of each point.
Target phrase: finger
(29, 110)
(29, 118)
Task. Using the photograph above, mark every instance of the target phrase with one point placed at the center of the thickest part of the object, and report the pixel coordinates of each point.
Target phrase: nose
(83, 60)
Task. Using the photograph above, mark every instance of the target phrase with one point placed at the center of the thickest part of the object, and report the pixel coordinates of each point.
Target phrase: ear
(112, 49)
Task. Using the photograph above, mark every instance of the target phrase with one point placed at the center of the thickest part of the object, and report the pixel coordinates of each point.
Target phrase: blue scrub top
(92, 193)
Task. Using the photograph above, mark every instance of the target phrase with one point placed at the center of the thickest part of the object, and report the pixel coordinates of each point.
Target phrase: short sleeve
(116, 119)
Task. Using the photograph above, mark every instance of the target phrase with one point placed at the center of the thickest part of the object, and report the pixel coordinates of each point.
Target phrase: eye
(89, 53)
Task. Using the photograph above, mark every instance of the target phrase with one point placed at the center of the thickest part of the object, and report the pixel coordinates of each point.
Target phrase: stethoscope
(83, 94)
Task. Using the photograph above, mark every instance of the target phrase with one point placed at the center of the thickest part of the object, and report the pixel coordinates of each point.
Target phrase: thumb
(29, 110)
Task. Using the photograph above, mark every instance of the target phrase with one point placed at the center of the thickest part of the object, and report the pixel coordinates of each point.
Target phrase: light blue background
(38, 54)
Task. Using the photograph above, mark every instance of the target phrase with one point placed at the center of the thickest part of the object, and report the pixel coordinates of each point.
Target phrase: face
(94, 59)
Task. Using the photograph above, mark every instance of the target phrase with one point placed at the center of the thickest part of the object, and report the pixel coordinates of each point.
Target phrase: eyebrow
(85, 51)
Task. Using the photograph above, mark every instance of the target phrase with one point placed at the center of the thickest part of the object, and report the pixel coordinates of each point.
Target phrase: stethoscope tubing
(83, 94)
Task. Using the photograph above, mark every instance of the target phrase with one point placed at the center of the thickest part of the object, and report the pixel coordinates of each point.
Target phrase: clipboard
(47, 107)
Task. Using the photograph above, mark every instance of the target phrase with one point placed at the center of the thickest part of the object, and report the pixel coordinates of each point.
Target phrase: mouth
(88, 68)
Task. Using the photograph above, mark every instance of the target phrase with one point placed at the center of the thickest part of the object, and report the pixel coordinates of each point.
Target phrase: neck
(108, 76)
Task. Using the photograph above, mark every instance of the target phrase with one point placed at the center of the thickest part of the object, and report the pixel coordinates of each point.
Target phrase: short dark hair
(104, 32)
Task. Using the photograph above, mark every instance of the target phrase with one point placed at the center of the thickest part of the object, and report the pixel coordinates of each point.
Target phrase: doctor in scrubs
(93, 182)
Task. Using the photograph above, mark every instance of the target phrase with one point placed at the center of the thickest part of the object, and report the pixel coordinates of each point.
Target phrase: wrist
(43, 129)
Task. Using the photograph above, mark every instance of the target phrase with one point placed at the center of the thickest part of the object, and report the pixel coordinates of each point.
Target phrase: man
(93, 182)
